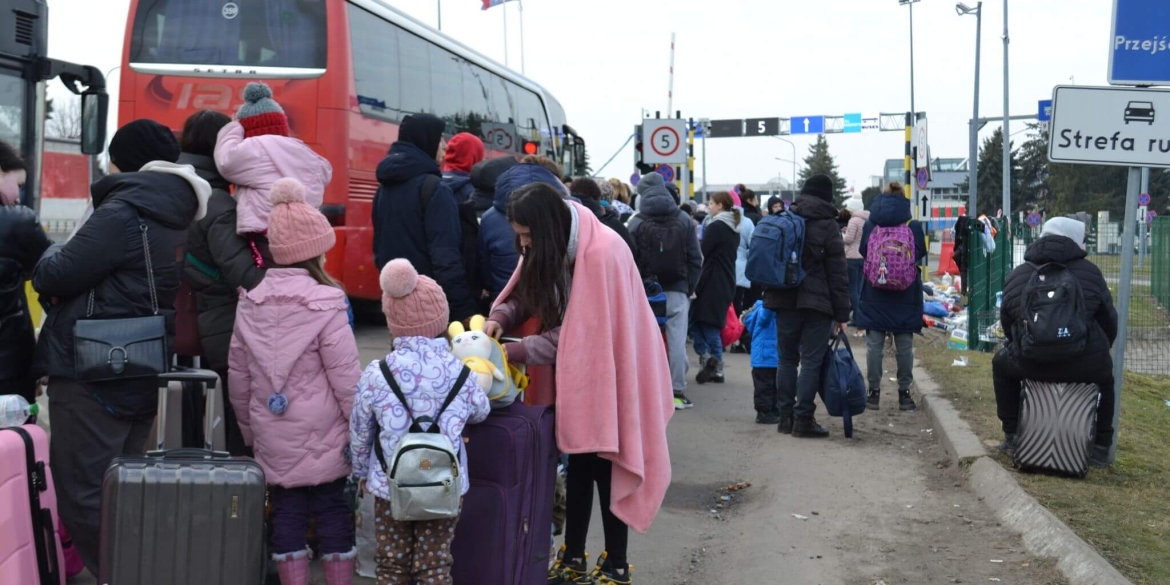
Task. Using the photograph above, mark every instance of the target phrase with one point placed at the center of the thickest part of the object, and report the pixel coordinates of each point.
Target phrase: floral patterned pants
(412, 552)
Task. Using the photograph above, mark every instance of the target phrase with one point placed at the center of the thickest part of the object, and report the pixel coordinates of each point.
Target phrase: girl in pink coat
(294, 367)
(254, 152)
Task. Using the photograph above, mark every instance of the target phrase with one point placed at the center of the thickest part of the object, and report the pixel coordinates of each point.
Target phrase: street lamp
(913, 111)
(793, 159)
(1007, 144)
(973, 151)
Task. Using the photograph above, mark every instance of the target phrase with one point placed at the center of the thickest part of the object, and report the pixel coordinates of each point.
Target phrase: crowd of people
(455, 235)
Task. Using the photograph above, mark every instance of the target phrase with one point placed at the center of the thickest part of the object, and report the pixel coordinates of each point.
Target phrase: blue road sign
(1139, 52)
(1150, 215)
(635, 178)
(1144, 199)
(852, 123)
(1034, 220)
(667, 172)
(697, 126)
(807, 125)
(1045, 112)
(923, 178)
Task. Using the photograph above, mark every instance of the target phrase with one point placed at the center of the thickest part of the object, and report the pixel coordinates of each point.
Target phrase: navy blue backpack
(776, 257)
(842, 385)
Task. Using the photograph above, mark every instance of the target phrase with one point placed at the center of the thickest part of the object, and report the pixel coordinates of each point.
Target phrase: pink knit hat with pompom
(296, 231)
(414, 305)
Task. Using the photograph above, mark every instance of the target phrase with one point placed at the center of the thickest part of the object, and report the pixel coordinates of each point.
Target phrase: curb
(1044, 534)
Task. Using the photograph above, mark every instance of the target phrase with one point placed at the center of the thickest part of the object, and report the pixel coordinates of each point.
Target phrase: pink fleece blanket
(614, 392)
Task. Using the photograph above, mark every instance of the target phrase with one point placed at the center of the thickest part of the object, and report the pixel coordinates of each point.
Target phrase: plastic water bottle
(790, 270)
(15, 410)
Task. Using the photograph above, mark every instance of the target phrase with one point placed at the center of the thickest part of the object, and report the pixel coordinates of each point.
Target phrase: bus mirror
(94, 108)
(579, 155)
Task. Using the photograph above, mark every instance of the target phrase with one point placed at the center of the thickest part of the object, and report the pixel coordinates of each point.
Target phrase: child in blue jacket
(761, 322)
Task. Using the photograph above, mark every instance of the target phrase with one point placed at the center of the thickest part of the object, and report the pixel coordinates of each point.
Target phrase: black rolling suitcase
(183, 516)
(1057, 424)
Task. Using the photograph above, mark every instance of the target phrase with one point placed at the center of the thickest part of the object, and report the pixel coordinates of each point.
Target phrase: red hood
(463, 152)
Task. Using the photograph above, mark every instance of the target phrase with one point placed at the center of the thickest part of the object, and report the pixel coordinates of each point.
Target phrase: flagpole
(504, 6)
(439, 9)
(521, 5)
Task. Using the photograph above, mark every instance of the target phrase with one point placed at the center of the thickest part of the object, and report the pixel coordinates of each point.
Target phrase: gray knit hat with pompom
(260, 114)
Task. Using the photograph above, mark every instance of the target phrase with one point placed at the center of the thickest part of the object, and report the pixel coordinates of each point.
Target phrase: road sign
(665, 140)
(922, 144)
(807, 125)
(635, 178)
(1034, 220)
(725, 129)
(500, 136)
(1142, 214)
(853, 123)
(1150, 215)
(667, 172)
(762, 126)
(1144, 199)
(871, 124)
(1110, 126)
(1045, 111)
(922, 177)
(696, 127)
(1138, 45)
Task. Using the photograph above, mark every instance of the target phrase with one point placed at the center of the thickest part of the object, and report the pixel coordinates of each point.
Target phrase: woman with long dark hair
(716, 289)
(610, 371)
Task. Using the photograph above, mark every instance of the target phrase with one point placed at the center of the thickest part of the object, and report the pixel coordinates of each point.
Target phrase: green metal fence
(986, 273)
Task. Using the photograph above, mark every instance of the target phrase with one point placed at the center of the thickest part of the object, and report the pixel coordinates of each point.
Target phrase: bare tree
(65, 120)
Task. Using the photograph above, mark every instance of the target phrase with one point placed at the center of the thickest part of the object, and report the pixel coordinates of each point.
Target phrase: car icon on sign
(1139, 112)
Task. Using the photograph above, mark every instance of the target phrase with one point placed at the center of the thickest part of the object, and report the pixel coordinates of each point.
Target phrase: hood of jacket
(810, 207)
(167, 198)
(404, 162)
(889, 209)
(599, 209)
(519, 176)
(774, 200)
(485, 174)
(187, 173)
(1053, 248)
(463, 152)
(456, 180)
(205, 167)
(655, 200)
(726, 217)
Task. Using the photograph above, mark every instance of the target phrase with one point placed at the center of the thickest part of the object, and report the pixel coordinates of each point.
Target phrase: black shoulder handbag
(122, 349)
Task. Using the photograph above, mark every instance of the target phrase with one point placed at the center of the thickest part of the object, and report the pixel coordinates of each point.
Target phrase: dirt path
(882, 508)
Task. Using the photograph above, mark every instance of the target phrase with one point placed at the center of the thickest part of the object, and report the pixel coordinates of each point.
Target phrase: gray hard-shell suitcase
(183, 516)
(1057, 426)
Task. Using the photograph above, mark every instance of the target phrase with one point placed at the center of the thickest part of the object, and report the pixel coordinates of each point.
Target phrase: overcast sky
(606, 60)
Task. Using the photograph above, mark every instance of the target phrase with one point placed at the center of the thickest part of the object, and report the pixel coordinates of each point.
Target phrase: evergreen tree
(990, 173)
(869, 194)
(820, 162)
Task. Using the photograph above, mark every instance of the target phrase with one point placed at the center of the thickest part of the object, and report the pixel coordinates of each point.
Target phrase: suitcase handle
(188, 454)
(181, 374)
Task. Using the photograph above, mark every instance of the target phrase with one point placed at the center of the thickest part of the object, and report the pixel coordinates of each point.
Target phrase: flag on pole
(489, 3)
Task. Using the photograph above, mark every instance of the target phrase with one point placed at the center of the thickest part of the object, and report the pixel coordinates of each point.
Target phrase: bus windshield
(248, 33)
(12, 100)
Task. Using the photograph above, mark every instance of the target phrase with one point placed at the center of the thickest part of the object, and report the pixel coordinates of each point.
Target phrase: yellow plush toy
(474, 349)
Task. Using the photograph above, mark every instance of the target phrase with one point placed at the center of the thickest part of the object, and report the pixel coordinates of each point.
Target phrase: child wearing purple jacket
(425, 370)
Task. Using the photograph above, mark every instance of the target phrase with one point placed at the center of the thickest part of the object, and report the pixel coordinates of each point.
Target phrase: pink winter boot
(293, 567)
(339, 567)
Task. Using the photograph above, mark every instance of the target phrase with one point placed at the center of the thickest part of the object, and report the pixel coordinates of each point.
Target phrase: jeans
(709, 341)
(764, 383)
(1009, 375)
(802, 338)
(678, 310)
(856, 276)
(584, 470)
(875, 342)
(325, 503)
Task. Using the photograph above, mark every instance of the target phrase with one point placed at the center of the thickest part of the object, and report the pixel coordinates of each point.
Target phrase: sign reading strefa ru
(1110, 126)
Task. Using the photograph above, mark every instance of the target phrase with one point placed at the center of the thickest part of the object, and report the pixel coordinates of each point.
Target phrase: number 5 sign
(665, 141)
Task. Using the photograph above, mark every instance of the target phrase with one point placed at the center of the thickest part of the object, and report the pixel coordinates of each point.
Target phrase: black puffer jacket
(825, 288)
(106, 256)
(22, 241)
(218, 262)
(1099, 312)
(716, 289)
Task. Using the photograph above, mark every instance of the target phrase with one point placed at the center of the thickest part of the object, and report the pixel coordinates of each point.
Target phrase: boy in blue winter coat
(761, 322)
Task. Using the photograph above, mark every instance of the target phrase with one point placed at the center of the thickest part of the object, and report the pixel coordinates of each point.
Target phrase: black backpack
(662, 249)
(469, 224)
(1052, 327)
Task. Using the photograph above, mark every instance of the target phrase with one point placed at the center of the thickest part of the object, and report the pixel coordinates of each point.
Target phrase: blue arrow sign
(1139, 52)
(807, 125)
(1045, 111)
(852, 123)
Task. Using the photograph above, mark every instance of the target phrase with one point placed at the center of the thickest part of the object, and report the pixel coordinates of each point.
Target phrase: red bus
(346, 72)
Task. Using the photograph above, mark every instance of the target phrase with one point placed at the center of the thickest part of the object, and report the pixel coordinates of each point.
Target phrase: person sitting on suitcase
(293, 367)
(610, 372)
(1080, 339)
(425, 372)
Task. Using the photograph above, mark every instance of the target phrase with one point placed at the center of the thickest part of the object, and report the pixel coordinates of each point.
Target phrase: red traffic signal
(531, 147)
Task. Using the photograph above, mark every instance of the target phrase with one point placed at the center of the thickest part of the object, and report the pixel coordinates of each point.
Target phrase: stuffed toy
(474, 349)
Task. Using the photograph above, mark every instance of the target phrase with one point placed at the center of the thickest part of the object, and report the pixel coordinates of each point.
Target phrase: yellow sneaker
(565, 573)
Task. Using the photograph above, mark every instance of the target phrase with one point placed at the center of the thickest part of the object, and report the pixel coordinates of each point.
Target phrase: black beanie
(424, 131)
(819, 186)
(140, 142)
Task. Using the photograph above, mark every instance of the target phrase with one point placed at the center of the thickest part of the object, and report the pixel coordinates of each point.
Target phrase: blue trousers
(709, 341)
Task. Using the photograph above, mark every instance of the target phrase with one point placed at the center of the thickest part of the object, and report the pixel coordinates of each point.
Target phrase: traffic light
(642, 167)
(530, 147)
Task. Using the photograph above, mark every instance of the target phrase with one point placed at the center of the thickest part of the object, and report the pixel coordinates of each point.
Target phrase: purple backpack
(889, 258)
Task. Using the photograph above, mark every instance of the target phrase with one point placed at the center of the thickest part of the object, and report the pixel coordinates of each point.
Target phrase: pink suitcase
(30, 549)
